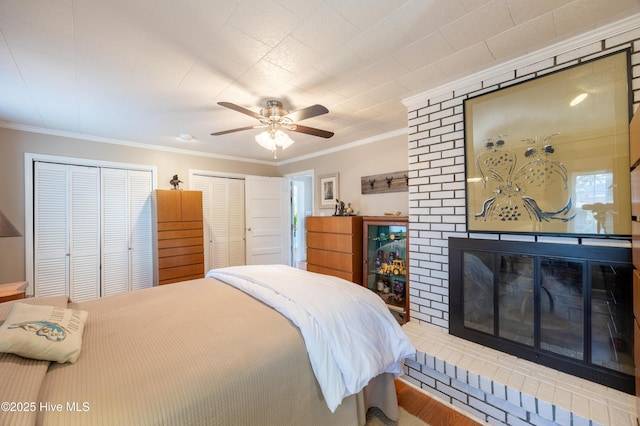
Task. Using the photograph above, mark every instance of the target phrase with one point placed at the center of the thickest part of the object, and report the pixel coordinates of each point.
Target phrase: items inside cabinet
(386, 263)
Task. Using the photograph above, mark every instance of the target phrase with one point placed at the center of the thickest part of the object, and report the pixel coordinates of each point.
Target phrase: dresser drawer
(335, 224)
(186, 259)
(336, 242)
(181, 273)
(330, 259)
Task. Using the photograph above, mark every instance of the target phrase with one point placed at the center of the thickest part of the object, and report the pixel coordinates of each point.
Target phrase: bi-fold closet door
(127, 235)
(67, 231)
(223, 208)
(92, 230)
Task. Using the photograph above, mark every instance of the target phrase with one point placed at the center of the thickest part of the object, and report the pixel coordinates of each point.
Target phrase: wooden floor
(428, 409)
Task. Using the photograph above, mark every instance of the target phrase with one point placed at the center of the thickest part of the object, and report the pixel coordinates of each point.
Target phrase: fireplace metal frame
(587, 255)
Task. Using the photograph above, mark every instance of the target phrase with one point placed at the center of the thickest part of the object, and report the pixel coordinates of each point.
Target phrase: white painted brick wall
(495, 387)
(437, 207)
(437, 211)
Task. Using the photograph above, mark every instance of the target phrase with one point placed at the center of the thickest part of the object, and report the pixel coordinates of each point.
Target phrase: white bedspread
(349, 332)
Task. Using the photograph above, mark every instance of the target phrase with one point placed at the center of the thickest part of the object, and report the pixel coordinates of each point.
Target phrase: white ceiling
(145, 71)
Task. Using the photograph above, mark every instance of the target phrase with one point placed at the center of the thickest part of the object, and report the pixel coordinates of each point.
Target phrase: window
(594, 203)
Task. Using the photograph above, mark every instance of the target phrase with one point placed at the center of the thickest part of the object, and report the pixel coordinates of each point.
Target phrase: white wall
(383, 156)
(15, 143)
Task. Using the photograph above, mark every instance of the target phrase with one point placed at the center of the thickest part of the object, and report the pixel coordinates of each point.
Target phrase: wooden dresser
(180, 241)
(334, 246)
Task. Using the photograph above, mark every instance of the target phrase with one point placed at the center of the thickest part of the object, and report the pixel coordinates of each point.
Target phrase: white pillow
(43, 332)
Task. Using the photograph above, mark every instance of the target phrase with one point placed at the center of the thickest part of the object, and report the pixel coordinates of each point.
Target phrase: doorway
(301, 190)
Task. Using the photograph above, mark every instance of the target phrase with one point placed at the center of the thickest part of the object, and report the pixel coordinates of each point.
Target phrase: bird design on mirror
(522, 193)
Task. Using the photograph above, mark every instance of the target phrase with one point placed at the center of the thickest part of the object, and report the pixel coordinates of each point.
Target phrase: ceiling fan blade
(240, 109)
(312, 131)
(308, 112)
(239, 129)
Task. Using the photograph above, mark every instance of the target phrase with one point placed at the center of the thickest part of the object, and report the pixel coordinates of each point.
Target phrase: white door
(67, 231)
(236, 218)
(267, 220)
(115, 232)
(51, 229)
(141, 256)
(85, 233)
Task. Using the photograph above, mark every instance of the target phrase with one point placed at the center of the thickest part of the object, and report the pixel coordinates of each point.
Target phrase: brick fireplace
(437, 209)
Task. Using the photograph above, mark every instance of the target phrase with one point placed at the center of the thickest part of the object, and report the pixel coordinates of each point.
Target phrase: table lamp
(6, 228)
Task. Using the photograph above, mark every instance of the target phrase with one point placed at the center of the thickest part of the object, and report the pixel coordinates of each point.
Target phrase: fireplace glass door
(516, 297)
(563, 306)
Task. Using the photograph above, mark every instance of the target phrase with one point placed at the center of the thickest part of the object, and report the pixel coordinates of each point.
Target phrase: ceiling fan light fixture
(276, 119)
(265, 141)
(272, 140)
(282, 139)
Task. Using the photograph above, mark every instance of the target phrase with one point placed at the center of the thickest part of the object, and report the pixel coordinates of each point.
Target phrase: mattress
(198, 352)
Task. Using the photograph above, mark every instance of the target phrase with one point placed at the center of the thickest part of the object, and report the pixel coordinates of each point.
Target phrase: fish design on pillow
(50, 330)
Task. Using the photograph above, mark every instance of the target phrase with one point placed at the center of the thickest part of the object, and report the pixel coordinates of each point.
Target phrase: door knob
(249, 229)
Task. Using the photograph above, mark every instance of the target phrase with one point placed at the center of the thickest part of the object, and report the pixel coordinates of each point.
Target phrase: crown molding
(626, 24)
(80, 136)
(92, 138)
(376, 138)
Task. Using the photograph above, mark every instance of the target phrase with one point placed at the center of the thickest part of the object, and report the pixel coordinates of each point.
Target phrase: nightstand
(12, 291)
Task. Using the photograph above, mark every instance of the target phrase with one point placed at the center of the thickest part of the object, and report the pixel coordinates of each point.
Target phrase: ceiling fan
(274, 118)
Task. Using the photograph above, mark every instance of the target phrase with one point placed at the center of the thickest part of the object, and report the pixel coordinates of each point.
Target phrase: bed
(205, 352)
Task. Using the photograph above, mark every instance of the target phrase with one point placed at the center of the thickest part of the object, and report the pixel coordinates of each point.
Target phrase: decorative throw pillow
(43, 332)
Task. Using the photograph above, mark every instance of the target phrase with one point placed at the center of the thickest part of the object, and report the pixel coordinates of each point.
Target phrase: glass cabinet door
(386, 262)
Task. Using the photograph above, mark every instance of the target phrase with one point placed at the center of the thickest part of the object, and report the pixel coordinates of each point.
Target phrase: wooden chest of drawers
(334, 246)
(180, 235)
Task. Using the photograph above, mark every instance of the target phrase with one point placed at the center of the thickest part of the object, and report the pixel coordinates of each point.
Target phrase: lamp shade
(6, 228)
(265, 141)
(282, 139)
(272, 139)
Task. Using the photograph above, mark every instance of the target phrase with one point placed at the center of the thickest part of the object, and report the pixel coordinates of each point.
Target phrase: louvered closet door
(85, 233)
(140, 229)
(236, 226)
(223, 210)
(67, 237)
(115, 232)
(204, 184)
(51, 226)
(220, 223)
(126, 231)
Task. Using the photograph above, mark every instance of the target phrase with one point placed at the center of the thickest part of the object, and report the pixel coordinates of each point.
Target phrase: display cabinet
(386, 262)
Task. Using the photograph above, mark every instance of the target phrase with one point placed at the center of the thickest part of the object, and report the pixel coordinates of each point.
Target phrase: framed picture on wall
(551, 155)
(328, 190)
